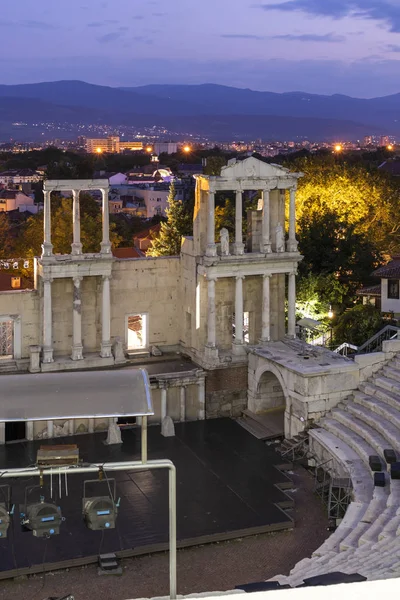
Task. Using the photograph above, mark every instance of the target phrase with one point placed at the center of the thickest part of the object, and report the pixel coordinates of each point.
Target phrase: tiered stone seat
(368, 539)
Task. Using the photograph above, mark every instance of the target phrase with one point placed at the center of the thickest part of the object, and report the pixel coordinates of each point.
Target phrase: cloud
(393, 48)
(109, 37)
(305, 37)
(311, 37)
(243, 36)
(387, 11)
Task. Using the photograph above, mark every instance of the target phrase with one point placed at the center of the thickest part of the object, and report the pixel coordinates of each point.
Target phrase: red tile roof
(127, 253)
(389, 271)
(373, 290)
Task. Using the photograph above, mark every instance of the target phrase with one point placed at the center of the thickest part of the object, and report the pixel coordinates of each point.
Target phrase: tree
(169, 240)
(357, 325)
(6, 241)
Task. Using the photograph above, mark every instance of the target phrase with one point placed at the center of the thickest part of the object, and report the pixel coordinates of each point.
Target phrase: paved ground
(205, 568)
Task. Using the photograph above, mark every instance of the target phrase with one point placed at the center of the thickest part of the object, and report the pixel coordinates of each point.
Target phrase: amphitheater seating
(367, 540)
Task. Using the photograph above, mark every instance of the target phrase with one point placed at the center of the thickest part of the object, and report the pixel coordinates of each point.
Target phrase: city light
(149, 149)
(390, 147)
(330, 313)
(186, 149)
(99, 150)
(338, 148)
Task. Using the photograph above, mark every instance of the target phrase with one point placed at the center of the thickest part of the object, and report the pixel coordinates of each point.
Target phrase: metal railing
(374, 344)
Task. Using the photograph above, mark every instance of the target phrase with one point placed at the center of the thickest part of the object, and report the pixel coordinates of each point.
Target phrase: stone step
(389, 431)
(379, 407)
(357, 443)
(391, 528)
(253, 427)
(391, 385)
(389, 397)
(370, 435)
(391, 372)
(8, 366)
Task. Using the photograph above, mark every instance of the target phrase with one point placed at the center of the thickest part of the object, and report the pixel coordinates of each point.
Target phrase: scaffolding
(335, 492)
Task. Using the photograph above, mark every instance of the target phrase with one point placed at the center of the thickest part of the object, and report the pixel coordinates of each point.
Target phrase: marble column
(163, 402)
(211, 323)
(2, 433)
(266, 307)
(91, 425)
(266, 236)
(50, 429)
(183, 403)
(106, 319)
(47, 246)
(105, 244)
(76, 246)
(292, 243)
(77, 348)
(201, 399)
(292, 306)
(47, 322)
(29, 430)
(239, 310)
(211, 247)
(239, 246)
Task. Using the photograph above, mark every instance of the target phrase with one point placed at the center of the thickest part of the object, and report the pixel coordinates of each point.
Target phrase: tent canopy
(78, 395)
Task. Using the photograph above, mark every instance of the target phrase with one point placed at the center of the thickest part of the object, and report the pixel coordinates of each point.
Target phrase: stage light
(42, 518)
(100, 512)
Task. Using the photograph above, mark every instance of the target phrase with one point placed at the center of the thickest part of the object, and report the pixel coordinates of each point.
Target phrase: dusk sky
(319, 46)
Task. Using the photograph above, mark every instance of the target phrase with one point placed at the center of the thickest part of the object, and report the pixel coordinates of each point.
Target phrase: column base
(76, 248)
(264, 340)
(238, 349)
(211, 250)
(48, 355)
(105, 248)
(290, 336)
(77, 353)
(238, 248)
(47, 249)
(292, 246)
(266, 248)
(106, 350)
(211, 352)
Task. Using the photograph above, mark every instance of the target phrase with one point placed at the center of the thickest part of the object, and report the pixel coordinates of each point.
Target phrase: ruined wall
(226, 392)
(26, 305)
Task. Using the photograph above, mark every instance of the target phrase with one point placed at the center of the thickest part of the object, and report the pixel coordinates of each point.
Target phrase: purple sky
(320, 46)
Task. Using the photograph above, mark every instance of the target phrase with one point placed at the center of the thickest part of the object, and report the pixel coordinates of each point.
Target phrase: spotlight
(100, 512)
(42, 518)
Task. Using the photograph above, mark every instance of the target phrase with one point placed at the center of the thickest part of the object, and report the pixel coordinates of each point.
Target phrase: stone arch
(268, 391)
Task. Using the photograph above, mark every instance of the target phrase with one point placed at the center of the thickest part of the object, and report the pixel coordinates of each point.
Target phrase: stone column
(238, 313)
(163, 401)
(239, 246)
(211, 247)
(105, 244)
(292, 243)
(266, 317)
(76, 246)
(201, 400)
(266, 237)
(183, 403)
(50, 429)
(91, 425)
(211, 323)
(106, 319)
(292, 306)
(2, 433)
(47, 246)
(77, 348)
(47, 322)
(29, 430)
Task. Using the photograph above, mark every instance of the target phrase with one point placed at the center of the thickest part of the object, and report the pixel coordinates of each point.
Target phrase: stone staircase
(367, 540)
(8, 366)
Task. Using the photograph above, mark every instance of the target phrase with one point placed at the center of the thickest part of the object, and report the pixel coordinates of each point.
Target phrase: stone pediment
(252, 167)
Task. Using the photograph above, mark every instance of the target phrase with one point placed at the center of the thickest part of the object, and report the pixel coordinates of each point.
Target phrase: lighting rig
(100, 512)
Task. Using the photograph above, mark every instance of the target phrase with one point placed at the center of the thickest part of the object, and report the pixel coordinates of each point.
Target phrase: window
(136, 332)
(393, 289)
(15, 282)
(158, 199)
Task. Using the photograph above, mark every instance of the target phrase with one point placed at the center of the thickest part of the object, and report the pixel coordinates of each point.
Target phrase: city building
(16, 200)
(111, 144)
(165, 147)
(19, 176)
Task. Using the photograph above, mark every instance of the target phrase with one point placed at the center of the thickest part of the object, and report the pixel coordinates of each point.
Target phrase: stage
(229, 485)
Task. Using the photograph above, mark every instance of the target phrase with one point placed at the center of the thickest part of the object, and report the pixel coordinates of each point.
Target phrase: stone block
(167, 427)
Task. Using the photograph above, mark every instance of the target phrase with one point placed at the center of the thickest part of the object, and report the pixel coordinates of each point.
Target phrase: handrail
(370, 345)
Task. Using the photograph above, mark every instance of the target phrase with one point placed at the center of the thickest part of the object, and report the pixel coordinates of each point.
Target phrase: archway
(271, 403)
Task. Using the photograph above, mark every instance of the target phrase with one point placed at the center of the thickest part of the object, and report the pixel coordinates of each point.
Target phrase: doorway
(136, 332)
(15, 431)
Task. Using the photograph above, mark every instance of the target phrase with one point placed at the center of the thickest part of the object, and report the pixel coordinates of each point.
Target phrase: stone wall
(226, 392)
(26, 305)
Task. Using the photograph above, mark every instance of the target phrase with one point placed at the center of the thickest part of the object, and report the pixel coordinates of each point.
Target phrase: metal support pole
(144, 439)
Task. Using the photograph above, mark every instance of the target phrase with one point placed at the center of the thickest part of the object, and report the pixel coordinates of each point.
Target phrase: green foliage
(214, 165)
(178, 224)
(357, 325)
(316, 293)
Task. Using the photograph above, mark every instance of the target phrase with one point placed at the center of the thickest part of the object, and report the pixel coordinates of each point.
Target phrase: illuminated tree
(178, 224)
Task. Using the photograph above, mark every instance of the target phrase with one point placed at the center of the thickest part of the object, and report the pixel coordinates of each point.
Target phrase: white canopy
(77, 395)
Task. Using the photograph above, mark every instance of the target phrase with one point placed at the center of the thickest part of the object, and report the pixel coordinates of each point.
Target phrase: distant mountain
(218, 112)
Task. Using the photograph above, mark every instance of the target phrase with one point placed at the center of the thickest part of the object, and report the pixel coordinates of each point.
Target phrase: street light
(99, 150)
(330, 317)
(186, 149)
(149, 149)
(338, 147)
(390, 147)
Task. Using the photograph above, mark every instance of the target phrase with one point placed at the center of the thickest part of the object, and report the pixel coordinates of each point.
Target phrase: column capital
(213, 278)
(77, 279)
(47, 279)
(162, 384)
(240, 277)
(267, 276)
(293, 188)
(106, 277)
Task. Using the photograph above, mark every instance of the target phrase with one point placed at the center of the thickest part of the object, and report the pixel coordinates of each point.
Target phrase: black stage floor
(228, 485)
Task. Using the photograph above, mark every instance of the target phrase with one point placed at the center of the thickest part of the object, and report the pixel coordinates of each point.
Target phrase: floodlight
(42, 518)
(100, 512)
